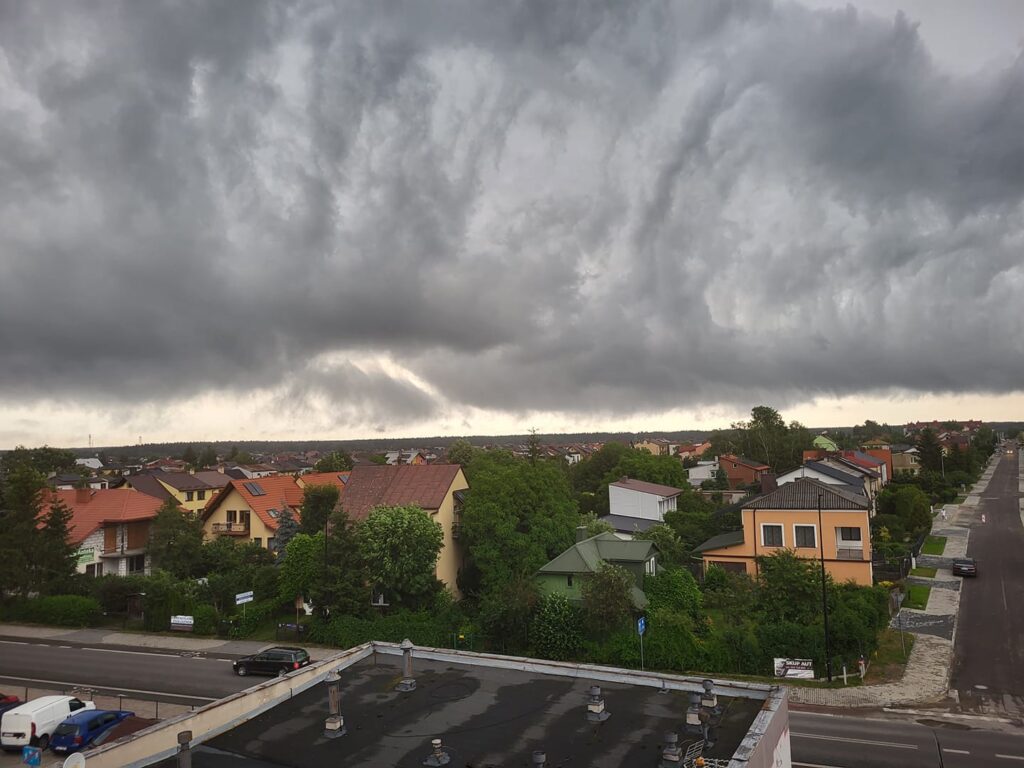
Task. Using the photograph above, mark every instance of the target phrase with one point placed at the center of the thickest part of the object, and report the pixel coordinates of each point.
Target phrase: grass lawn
(926, 572)
(934, 545)
(917, 597)
(888, 662)
(960, 499)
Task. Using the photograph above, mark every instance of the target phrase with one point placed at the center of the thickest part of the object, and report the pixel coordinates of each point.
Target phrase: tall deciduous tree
(302, 566)
(207, 457)
(337, 461)
(189, 455)
(176, 541)
(401, 546)
(318, 503)
(460, 452)
(607, 605)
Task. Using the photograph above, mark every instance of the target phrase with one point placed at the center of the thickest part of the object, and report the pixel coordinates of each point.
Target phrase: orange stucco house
(787, 518)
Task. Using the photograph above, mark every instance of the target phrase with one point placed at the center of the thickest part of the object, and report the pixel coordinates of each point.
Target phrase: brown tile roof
(644, 487)
(279, 491)
(91, 509)
(369, 486)
(213, 478)
(803, 493)
(183, 481)
(147, 484)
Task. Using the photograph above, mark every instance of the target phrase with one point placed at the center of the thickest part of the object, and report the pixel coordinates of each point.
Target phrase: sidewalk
(179, 642)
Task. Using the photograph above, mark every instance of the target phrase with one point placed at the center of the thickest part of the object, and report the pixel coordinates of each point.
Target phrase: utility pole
(824, 592)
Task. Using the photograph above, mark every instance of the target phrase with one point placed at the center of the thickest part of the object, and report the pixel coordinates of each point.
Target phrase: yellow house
(191, 493)
(438, 489)
(247, 510)
(787, 518)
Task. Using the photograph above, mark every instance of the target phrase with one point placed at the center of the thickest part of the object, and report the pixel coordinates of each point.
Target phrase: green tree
(302, 566)
(287, 528)
(53, 558)
(672, 550)
(337, 461)
(189, 455)
(929, 450)
(379, 459)
(607, 600)
(555, 632)
(401, 546)
(243, 457)
(460, 452)
(176, 541)
(343, 588)
(318, 503)
(595, 526)
(24, 492)
(676, 590)
(789, 587)
(207, 457)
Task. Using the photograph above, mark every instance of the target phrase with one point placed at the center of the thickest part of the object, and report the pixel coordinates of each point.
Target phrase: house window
(232, 516)
(272, 544)
(201, 495)
(568, 580)
(96, 569)
(136, 564)
(805, 536)
(188, 495)
(848, 536)
(258, 541)
(650, 567)
(771, 535)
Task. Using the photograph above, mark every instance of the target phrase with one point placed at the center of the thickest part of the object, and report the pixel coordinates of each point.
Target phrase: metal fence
(151, 709)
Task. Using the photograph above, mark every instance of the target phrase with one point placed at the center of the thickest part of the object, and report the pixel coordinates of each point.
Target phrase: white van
(35, 721)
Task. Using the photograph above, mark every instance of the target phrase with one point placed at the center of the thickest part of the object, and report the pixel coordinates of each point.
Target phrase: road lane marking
(164, 654)
(134, 653)
(1002, 585)
(956, 751)
(66, 684)
(1009, 757)
(13, 642)
(894, 744)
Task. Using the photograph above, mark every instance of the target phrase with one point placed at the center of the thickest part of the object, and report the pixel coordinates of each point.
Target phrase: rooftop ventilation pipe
(334, 726)
(438, 756)
(408, 682)
(596, 712)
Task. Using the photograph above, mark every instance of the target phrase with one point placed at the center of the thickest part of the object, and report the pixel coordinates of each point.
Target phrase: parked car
(33, 723)
(82, 728)
(8, 702)
(273, 661)
(965, 566)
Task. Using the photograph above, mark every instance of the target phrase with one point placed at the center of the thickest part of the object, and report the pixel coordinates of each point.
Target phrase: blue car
(81, 729)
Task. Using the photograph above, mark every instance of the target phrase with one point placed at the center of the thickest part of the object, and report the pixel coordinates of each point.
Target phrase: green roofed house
(565, 574)
(825, 443)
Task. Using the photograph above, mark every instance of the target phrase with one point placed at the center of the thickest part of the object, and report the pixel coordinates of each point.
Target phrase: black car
(965, 566)
(272, 661)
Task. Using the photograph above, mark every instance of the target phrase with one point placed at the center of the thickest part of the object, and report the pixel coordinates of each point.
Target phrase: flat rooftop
(485, 716)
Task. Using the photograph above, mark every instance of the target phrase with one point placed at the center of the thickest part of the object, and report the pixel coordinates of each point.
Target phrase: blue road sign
(31, 755)
(641, 625)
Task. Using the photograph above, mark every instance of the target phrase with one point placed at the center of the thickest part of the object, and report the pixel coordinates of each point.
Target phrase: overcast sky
(247, 220)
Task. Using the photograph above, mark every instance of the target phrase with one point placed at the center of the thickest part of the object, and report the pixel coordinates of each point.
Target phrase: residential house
(873, 469)
(907, 460)
(339, 479)
(636, 505)
(685, 450)
(92, 463)
(883, 454)
(825, 443)
(438, 489)
(256, 471)
(145, 482)
(788, 518)
(705, 470)
(403, 456)
(111, 528)
(741, 471)
(189, 490)
(167, 465)
(248, 510)
(70, 481)
(826, 473)
(566, 573)
(658, 446)
(875, 442)
(213, 478)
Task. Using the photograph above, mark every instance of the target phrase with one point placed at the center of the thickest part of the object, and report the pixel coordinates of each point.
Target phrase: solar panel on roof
(255, 489)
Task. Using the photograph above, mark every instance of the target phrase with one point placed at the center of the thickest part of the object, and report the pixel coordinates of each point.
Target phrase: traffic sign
(243, 597)
(641, 625)
(31, 755)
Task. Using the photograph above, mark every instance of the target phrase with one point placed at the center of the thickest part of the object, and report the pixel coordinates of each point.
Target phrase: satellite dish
(76, 760)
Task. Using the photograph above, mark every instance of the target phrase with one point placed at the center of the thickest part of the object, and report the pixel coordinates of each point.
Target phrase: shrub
(556, 628)
(204, 620)
(59, 610)
(669, 642)
(421, 627)
(248, 621)
(675, 589)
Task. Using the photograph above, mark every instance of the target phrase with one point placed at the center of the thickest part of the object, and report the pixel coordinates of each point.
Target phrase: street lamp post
(824, 592)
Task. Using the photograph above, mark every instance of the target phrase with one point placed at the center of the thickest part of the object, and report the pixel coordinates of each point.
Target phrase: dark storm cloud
(611, 207)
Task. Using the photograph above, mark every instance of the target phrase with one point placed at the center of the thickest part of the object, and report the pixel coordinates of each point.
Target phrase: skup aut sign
(798, 668)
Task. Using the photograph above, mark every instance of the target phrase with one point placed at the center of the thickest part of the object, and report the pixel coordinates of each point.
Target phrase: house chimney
(623, 479)
(82, 495)
(581, 533)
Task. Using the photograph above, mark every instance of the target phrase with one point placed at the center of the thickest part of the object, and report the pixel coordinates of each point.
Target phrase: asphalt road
(817, 740)
(988, 671)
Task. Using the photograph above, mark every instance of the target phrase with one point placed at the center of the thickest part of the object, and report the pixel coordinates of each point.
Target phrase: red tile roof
(91, 509)
(745, 462)
(279, 491)
(339, 479)
(369, 486)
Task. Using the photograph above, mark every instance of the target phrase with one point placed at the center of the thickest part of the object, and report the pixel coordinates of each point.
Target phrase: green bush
(58, 610)
(204, 619)
(421, 627)
(556, 631)
(248, 621)
(674, 589)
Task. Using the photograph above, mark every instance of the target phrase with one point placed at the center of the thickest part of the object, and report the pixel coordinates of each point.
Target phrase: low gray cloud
(604, 207)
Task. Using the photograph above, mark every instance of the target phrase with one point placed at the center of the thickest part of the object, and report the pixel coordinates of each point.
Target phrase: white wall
(630, 503)
(705, 470)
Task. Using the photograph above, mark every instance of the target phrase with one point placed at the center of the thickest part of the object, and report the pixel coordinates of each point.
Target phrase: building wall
(905, 462)
(558, 584)
(89, 550)
(197, 504)
(840, 569)
(632, 503)
(452, 555)
(739, 474)
(235, 501)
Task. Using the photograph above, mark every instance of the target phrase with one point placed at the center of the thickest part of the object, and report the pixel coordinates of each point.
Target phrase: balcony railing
(231, 529)
(850, 553)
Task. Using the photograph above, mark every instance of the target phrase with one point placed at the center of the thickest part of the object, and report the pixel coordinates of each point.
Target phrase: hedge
(204, 619)
(348, 631)
(245, 623)
(58, 610)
